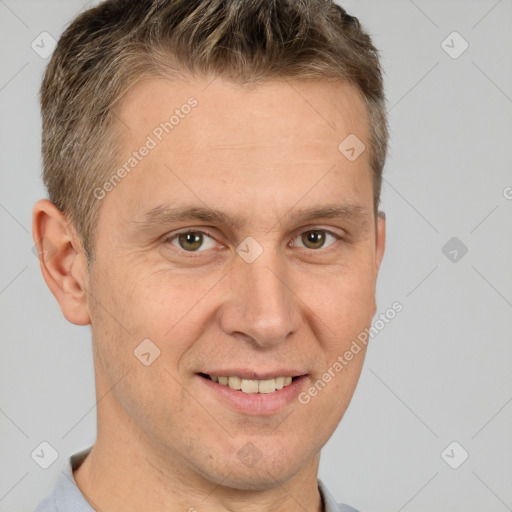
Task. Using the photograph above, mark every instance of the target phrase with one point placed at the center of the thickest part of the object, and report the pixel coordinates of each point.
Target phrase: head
(241, 239)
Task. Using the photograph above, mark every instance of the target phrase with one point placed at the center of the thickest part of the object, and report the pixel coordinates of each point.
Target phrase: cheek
(342, 301)
(155, 305)
(341, 307)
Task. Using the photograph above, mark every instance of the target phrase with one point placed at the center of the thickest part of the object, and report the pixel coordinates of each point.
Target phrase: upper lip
(249, 374)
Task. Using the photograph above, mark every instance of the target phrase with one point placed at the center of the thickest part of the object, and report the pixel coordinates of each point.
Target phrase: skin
(260, 154)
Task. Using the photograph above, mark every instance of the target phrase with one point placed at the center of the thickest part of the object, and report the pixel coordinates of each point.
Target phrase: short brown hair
(110, 47)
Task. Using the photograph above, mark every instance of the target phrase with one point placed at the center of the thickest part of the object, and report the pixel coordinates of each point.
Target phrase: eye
(192, 241)
(316, 238)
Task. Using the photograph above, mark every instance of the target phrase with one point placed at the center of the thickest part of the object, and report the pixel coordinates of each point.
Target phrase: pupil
(315, 238)
(190, 241)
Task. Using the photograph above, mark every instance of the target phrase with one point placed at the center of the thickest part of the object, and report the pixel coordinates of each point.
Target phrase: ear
(62, 260)
(380, 238)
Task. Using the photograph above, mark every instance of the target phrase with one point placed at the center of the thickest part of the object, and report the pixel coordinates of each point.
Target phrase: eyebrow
(163, 215)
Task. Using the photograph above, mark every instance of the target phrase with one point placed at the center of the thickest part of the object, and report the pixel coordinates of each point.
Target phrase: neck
(122, 466)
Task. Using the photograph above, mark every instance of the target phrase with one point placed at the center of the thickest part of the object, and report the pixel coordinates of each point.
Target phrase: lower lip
(257, 404)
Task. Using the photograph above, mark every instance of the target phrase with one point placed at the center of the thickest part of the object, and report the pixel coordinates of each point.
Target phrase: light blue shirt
(67, 497)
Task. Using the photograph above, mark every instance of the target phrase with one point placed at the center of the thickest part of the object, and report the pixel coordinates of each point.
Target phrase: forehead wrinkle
(243, 145)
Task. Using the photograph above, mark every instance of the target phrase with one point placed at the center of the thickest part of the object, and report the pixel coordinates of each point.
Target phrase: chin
(260, 465)
(257, 479)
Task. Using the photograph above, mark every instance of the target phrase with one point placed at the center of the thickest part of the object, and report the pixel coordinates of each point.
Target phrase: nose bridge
(261, 305)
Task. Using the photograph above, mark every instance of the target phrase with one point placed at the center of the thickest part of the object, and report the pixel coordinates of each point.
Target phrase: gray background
(439, 372)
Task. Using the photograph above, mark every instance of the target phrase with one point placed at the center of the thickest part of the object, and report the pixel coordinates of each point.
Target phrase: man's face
(285, 302)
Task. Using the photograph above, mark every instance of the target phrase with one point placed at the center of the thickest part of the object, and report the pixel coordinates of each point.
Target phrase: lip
(255, 404)
(247, 373)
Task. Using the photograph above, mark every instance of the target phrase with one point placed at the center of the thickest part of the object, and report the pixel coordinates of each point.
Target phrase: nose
(261, 305)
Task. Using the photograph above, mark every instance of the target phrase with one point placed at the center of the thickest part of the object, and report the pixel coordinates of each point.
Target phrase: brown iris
(313, 239)
(190, 241)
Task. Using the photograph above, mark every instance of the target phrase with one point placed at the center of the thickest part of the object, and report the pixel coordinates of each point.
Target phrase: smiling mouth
(250, 385)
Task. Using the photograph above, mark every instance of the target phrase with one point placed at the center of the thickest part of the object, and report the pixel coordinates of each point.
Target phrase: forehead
(278, 113)
(218, 141)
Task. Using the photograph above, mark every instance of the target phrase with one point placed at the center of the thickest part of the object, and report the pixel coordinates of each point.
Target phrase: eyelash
(169, 239)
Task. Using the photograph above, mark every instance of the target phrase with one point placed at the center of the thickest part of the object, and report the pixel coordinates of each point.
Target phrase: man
(214, 171)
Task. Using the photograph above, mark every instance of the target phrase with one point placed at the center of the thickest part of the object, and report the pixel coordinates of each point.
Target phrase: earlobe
(62, 261)
(380, 238)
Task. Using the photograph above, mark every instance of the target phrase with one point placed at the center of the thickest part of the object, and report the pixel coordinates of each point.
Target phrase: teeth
(249, 386)
(266, 386)
(254, 386)
(234, 382)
